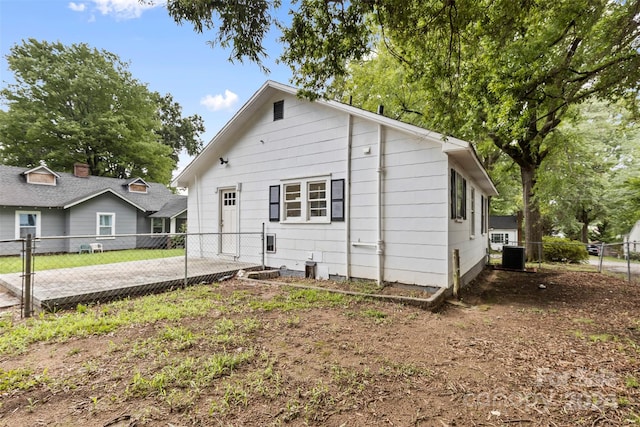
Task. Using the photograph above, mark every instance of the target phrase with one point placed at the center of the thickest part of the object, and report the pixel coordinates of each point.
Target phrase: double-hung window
(27, 222)
(105, 225)
(317, 199)
(157, 225)
(293, 200)
(306, 200)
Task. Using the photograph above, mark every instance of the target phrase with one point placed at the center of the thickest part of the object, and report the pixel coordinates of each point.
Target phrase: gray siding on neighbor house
(83, 221)
(52, 223)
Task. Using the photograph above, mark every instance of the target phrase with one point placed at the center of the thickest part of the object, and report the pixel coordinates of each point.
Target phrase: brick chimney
(81, 170)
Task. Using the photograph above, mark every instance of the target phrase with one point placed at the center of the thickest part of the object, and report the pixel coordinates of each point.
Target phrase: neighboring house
(503, 231)
(43, 203)
(633, 238)
(342, 192)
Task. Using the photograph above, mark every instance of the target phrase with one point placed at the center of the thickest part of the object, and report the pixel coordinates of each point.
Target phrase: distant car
(593, 250)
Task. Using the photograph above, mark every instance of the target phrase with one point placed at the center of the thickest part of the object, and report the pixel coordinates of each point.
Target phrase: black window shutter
(274, 203)
(337, 200)
(464, 198)
(453, 194)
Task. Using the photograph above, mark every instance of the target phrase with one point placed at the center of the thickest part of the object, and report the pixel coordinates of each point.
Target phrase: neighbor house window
(106, 225)
(278, 110)
(458, 196)
(157, 225)
(500, 238)
(27, 222)
(306, 200)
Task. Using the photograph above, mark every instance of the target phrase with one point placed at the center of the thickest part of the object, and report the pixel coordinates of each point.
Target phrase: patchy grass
(239, 353)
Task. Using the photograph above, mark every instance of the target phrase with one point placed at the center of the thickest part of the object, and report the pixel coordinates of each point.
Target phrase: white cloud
(220, 102)
(125, 9)
(77, 7)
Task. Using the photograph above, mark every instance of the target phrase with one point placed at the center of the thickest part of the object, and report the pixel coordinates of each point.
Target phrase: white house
(633, 238)
(503, 231)
(352, 193)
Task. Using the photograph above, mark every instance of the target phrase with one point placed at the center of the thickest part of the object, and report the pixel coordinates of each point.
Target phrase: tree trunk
(532, 217)
(584, 232)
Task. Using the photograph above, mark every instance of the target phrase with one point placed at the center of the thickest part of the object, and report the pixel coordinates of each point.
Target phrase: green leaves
(78, 104)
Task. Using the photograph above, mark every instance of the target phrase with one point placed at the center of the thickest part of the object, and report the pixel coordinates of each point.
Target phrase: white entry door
(228, 222)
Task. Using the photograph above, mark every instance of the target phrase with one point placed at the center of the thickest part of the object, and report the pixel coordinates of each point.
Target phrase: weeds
(21, 379)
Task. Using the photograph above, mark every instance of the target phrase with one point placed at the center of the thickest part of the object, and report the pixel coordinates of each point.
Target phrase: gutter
(347, 196)
(380, 242)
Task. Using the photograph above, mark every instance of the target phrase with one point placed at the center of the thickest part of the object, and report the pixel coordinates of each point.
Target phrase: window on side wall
(483, 214)
(473, 212)
(307, 200)
(27, 222)
(157, 225)
(458, 196)
(106, 225)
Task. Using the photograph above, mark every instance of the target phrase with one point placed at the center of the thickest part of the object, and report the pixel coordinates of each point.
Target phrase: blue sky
(167, 57)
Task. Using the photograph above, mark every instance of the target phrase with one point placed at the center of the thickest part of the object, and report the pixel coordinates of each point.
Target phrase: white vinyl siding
(278, 161)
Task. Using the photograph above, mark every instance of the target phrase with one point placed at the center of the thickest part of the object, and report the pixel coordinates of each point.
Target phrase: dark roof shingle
(15, 191)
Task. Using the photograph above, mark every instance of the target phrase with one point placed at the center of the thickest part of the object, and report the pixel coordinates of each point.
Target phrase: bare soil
(512, 353)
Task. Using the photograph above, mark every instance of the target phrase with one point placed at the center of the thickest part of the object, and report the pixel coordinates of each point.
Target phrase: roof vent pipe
(381, 110)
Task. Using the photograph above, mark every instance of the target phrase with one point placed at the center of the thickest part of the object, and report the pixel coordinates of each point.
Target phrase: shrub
(558, 249)
(634, 256)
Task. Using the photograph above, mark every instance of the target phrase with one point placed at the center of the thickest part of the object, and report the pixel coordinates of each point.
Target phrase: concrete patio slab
(67, 287)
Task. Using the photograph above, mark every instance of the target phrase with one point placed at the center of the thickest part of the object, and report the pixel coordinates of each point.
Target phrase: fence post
(27, 276)
(456, 273)
(600, 257)
(263, 247)
(186, 257)
(628, 261)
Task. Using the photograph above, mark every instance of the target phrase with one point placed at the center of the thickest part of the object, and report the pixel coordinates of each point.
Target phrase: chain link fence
(620, 259)
(53, 273)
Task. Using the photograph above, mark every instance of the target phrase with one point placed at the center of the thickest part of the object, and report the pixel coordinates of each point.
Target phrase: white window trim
(305, 218)
(38, 222)
(163, 225)
(113, 226)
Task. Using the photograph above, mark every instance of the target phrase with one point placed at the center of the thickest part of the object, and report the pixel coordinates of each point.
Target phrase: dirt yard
(513, 353)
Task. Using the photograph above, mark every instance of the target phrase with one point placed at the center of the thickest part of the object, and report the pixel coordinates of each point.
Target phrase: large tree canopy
(502, 70)
(77, 104)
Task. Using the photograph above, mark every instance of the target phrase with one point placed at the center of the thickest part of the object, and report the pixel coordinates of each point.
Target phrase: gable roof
(172, 208)
(503, 222)
(457, 149)
(72, 190)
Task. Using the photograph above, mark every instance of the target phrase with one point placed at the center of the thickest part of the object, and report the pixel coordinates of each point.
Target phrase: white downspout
(347, 201)
(198, 210)
(380, 242)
